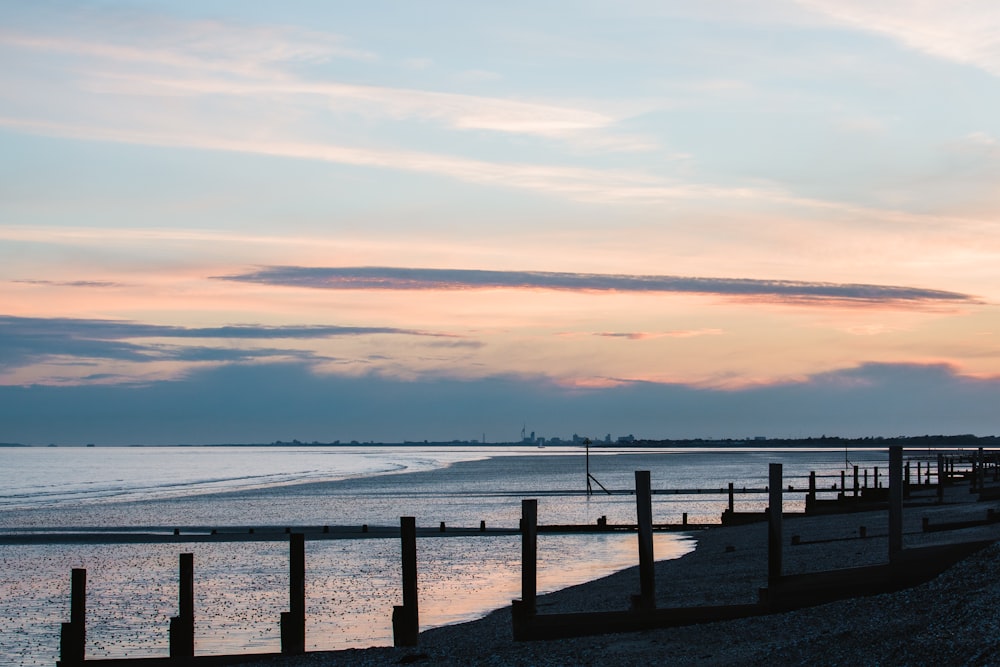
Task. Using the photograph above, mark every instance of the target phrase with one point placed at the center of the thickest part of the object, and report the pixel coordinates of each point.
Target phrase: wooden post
(980, 478)
(73, 637)
(855, 481)
(895, 501)
(523, 610)
(529, 555)
(774, 524)
(732, 500)
(843, 481)
(876, 483)
(293, 621)
(920, 470)
(182, 625)
(866, 478)
(644, 518)
(406, 618)
(940, 477)
(811, 498)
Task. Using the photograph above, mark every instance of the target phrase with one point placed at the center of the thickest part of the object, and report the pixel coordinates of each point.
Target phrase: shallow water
(241, 589)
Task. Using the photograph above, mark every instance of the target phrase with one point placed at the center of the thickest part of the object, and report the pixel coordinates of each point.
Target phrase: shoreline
(948, 620)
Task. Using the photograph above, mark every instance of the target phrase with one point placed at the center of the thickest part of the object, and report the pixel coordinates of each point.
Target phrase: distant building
(626, 439)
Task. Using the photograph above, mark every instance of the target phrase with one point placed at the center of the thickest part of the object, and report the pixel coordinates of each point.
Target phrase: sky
(228, 221)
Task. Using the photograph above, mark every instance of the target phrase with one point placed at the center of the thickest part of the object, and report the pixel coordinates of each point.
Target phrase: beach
(353, 583)
(951, 619)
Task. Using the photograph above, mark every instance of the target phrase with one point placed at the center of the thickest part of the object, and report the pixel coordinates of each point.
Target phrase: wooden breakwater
(905, 567)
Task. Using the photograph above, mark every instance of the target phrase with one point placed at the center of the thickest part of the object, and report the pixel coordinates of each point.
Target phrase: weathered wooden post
(182, 625)
(980, 478)
(855, 481)
(843, 482)
(523, 610)
(406, 618)
(940, 477)
(876, 484)
(895, 501)
(732, 500)
(73, 637)
(811, 498)
(774, 524)
(866, 478)
(920, 471)
(644, 517)
(293, 621)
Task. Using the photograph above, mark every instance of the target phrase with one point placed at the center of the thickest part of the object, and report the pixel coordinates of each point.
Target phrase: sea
(241, 587)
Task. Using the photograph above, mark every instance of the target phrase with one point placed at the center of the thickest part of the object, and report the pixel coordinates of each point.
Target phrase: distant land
(909, 442)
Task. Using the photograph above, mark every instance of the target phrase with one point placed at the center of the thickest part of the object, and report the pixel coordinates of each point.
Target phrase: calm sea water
(241, 588)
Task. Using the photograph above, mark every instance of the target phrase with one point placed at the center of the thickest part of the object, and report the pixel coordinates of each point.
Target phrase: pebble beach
(950, 620)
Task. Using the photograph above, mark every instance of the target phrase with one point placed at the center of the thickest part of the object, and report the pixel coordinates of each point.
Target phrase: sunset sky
(225, 221)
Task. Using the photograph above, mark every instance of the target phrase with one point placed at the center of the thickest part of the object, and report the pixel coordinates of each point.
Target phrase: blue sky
(438, 220)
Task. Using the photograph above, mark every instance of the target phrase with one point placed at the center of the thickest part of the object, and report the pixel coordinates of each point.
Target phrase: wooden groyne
(904, 568)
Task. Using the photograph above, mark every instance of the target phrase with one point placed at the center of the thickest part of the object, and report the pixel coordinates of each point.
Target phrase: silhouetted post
(529, 554)
(293, 621)
(732, 500)
(855, 481)
(406, 618)
(895, 501)
(843, 482)
(919, 471)
(940, 477)
(774, 524)
(980, 472)
(866, 478)
(876, 483)
(182, 625)
(73, 637)
(644, 517)
(811, 498)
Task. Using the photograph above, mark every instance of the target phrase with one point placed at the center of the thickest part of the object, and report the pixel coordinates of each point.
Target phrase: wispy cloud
(69, 283)
(29, 339)
(215, 59)
(650, 335)
(392, 278)
(966, 32)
